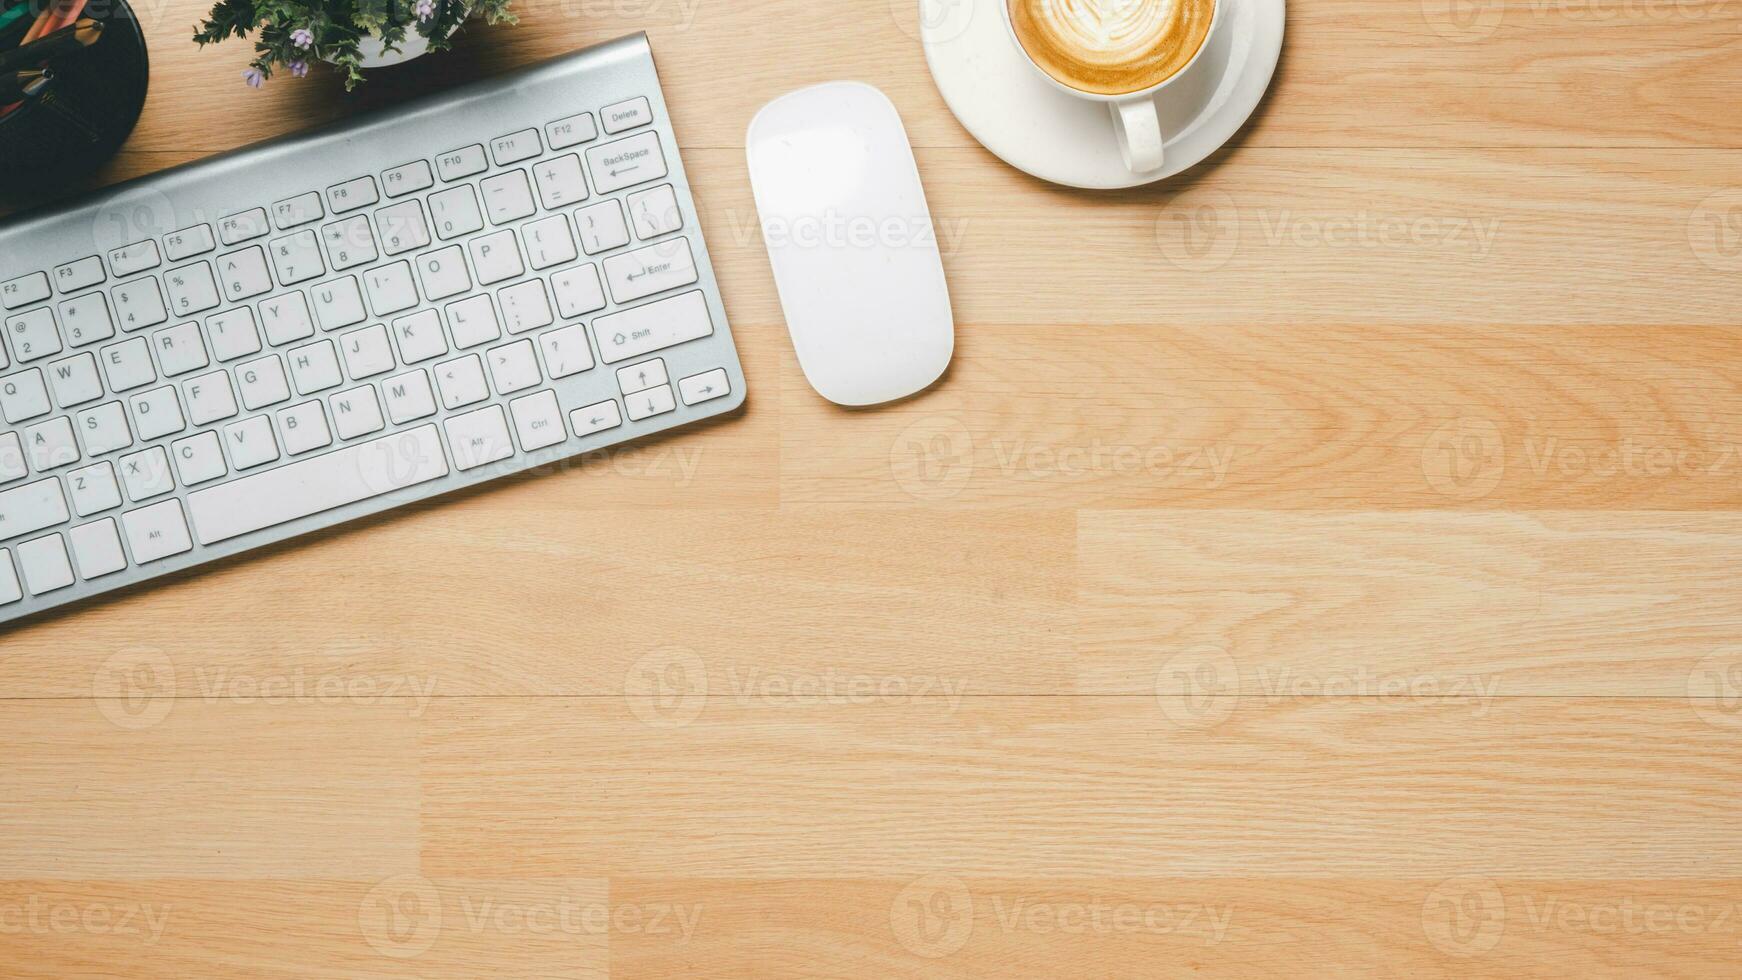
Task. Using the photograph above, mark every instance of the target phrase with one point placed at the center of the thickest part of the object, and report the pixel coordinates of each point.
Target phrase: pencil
(24, 84)
(54, 17)
(70, 38)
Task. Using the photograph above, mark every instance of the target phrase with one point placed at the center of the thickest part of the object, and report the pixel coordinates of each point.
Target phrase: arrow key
(640, 377)
(595, 418)
(647, 404)
(704, 387)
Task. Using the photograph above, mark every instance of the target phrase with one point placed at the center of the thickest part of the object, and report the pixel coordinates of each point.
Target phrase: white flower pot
(375, 55)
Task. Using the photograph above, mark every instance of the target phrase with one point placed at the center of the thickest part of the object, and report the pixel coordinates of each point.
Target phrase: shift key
(655, 326)
(31, 507)
(650, 270)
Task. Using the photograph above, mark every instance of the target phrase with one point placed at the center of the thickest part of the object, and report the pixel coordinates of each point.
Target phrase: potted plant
(352, 34)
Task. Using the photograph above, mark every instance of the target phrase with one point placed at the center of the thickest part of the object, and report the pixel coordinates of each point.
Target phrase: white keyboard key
(238, 228)
(560, 183)
(103, 428)
(443, 273)
(367, 352)
(463, 162)
(251, 442)
(191, 288)
(350, 243)
(139, 304)
(97, 548)
(355, 412)
(472, 321)
(480, 437)
(496, 258)
(157, 532)
(339, 303)
(578, 291)
(525, 306)
(31, 507)
(188, 242)
(157, 413)
(402, 227)
(10, 589)
(233, 334)
(146, 474)
(407, 178)
(75, 380)
(297, 258)
(408, 397)
(390, 289)
(595, 418)
(12, 463)
(655, 326)
(654, 269)
(45, 564)
(127, 365)
(86, 319)
(74, 276)
(601, 227)
(298, 211)
(420, 337)
(514, 368)
(625, 116)
(647, 404)
(566, 351)
(640, 377)
(538, 421)
(549, 242)
(352, 194)
(137, 257)
(315, 367)
(625, 163)
(516, 147)
(94, 489)
(320, 483)
(507, 197)
(180, 349)
(304, 427)
(286, 319)
(50, 443)
(461, 382)
(655, 212)
(23, 396)
(209, 398)
(33, 335)
(571, 131)
(455, 212)
(24, 290)
(243, 274)
(261, 382)
(198, 458)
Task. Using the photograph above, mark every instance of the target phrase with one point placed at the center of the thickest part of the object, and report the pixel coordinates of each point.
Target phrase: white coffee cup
(1135, 117)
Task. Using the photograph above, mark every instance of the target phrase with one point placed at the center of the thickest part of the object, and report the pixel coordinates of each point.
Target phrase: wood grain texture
(1322, 563)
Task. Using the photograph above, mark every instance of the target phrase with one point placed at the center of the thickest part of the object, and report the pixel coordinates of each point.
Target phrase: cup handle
(1139, 129)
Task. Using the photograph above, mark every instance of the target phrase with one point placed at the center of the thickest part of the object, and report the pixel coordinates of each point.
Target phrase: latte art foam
(1111, 47)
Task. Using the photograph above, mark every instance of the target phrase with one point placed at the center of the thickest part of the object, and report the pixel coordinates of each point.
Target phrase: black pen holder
(77, 123)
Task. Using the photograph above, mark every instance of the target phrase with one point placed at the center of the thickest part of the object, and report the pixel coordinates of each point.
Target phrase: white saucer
(1035, 128)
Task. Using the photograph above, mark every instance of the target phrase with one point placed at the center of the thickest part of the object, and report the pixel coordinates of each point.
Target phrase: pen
(24, 84)
(70, 38)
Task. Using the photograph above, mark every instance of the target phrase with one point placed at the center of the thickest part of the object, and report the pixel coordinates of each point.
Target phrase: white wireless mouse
(851, 240)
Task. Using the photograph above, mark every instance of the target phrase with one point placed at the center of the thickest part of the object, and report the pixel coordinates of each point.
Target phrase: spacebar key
(366, 470)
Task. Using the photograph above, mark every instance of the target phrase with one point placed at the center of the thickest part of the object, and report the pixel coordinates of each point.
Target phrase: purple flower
(299, 69)
(303, 38)
(254, 77)
(425, 9)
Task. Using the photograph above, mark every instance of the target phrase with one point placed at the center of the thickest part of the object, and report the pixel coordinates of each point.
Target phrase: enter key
(650, 270)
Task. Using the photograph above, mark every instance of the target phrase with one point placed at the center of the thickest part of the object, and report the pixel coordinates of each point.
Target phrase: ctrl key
(158, 531)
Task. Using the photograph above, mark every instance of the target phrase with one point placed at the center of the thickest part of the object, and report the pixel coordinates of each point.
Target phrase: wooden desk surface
(1325, 563)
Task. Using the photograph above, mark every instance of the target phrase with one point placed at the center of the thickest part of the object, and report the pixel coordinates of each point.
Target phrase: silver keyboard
(310, 330)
